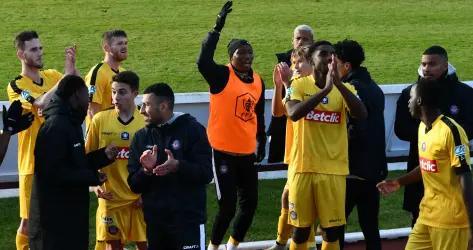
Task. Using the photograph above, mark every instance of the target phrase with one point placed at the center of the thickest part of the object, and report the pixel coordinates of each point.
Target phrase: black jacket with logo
(59, 212)
(456, 103)
(366, 138)
(180, 195)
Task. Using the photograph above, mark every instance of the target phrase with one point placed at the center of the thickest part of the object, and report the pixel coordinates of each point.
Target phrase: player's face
(343, 68)
(32, 54)
(242, 59)
(302, 38)
(152, 109)
(301, 66)
(322, 57)
(123, 97)
(433, 66)
(413, 104)
(119, 48)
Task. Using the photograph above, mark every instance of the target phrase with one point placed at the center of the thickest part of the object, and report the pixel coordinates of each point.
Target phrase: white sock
(212, 247)
(230, 246)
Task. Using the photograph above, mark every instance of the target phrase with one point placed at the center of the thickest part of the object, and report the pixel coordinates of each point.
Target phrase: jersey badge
(325, 100)
(423, 146)
(454, 109)
(293, 215)
(176, 145)
(113, 229)
(91, 89)
(223, 169)
(460, 150)
(125, 136)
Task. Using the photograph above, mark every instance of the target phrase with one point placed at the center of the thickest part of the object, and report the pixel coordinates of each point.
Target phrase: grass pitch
(165, 35)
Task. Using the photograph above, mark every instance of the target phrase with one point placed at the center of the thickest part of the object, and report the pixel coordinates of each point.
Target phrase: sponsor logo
(149, 146)
(107, 220)
(423, 146)
(107, 133)
(113, 229)
(454, 109)
(125, 136)
(324, 116)
(76, 145)
(460, 150)
(291, 205)
(334, 220)
(428, 165)
(245, 107)
(191, 247)
(92, 90)
(176, 144)
(223, 169)
(325, 100)
(123, 153)
(26, 95)
(293, 215)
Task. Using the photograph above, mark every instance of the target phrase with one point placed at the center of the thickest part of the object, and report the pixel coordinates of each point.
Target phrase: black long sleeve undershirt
(217, 76)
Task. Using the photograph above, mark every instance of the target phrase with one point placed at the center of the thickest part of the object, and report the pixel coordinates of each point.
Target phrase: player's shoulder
(98, 68)
(303, 82)
(105, 114)
(51, 73)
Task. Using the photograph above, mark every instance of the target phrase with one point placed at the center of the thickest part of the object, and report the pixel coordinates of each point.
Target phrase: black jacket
(59, 212)
(180, 195)
(456, 103)
(366, 139)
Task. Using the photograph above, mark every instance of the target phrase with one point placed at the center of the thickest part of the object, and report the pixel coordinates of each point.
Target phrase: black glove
(13, 120)
(227, 8)
(261, 150)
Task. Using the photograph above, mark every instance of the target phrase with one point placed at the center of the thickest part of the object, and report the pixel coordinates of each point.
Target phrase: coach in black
(366, 143)
(456, 103)
(170, 164)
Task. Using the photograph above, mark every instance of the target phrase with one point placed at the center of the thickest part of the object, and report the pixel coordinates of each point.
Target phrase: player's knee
(300, 234)
(332, 234)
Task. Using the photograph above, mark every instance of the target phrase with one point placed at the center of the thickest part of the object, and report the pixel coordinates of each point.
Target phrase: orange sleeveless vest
(232, 118)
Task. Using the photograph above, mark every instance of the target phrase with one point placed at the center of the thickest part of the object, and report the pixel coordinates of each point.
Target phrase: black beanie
(234, 44)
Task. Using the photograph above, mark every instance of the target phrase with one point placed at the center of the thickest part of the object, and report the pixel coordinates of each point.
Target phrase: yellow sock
(21, 241)
(311, 240)
(100, 245)
(295, 246)
(232, 244)
(284, 228)
(330, 245)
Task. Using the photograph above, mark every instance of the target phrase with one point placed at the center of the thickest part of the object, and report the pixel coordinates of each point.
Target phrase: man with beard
(234, 131)
(456, 102)
(59, 214)
(319, 153)
(446, 210)
(34, 88)
(99, 78)
(170, 165)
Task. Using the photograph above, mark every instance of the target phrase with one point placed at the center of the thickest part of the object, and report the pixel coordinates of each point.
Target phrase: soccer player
(236, 124)
(366, 143)
(446, 210)
(319, 154)
(13, 122)
(282, 77)
(99, 78)
(455, 102)
(59, 213)
(170, 164)
(119, 215)
(34, 87)
(303, 36)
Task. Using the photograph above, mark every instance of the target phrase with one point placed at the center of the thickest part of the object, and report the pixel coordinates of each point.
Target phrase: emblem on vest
(245, 107)
(454, 109)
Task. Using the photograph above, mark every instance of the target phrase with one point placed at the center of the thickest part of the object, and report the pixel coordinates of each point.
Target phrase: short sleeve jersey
(320, 143)
(24, 89)
(442, 205)
(106, 128)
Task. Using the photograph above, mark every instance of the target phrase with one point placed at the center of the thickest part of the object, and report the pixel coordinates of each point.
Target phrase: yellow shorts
(427, 237)
(315, 196)
(125, 223)
(25, 183)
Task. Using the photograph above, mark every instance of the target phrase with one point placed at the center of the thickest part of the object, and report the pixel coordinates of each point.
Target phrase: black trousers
(236, 179)
(166, 236)
(365, 196)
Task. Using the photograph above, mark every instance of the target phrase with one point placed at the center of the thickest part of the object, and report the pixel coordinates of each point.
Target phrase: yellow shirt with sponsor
(106, 128)
(442, 205)
(99, 82)
(24, 89)
(320, 143)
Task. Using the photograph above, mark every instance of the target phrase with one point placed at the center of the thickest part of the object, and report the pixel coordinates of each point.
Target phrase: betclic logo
(324, 116)
(428, 165)
(123, 153)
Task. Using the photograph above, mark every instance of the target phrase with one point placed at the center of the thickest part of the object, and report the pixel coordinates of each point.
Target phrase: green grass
(263, 227)
(165, 35)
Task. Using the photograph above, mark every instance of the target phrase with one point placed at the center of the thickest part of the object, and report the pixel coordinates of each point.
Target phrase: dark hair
(235, 44)
(350, 51)
(436, 50)
(69, 85)
(24, 36)
(108, 35)
(429, 90)
(315, 46)
(130, 78)
(163, 91)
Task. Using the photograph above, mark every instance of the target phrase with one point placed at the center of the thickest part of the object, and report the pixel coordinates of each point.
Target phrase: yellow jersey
(320, 142)
(107, 128)
(442, 205)
(99, 83)
(26, 90)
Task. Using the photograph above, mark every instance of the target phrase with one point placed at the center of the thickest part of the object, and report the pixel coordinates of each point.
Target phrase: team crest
(113, 229)
(325, 100)
(291, 205)
(91, 89)
(460, 150)
(26, 95)
(454, 109)
(245, 107)
(107, 220)
(125, 136)
(293, 215)
(423, 146)
(176, 145)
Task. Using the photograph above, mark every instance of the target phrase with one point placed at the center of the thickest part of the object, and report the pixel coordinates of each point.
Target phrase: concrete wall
(197, 105)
